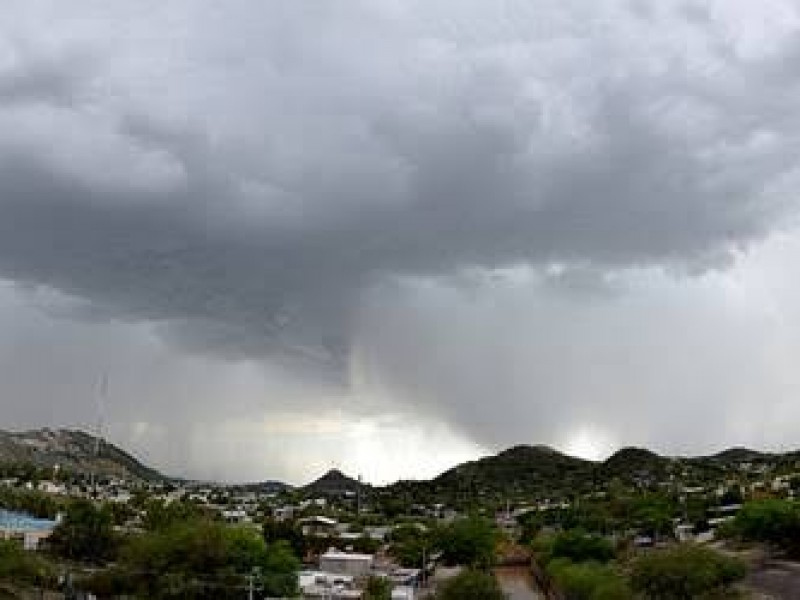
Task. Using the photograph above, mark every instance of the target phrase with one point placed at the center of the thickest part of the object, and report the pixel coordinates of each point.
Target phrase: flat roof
(347, 555)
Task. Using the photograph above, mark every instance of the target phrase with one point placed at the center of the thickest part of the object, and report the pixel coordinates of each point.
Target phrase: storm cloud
(416, 199)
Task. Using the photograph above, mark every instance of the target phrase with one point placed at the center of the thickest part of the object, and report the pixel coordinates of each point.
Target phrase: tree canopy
(85, 533)
(469, 542)
(775, 522)
(471, 585)
(685, 572)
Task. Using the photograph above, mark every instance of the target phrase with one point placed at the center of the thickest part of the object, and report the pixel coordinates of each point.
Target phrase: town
(527, 523)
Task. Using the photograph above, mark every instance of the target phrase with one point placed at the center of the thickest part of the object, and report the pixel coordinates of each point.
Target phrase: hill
(71, 450)
(335, 483)
(529, 472)
(633, 462)
(521, 470)
(738, 455)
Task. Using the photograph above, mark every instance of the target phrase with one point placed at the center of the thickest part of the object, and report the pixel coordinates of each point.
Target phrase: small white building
(283, 513)
(236, 515)
(51, 487)
(355, 565)
(318, 525)
(326, 586)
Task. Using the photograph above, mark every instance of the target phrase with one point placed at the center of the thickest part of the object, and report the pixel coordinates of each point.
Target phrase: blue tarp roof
(21, 522)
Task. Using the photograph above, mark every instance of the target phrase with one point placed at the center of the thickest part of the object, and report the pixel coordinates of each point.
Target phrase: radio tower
(102, 391)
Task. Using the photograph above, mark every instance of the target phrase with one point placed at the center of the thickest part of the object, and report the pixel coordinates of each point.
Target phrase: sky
(388, 236)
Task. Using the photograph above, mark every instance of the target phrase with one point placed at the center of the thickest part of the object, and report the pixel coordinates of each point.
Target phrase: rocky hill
(71, 450)
(518, 469)
(635, 462)
(539, 471)
(334, 483)
(521, 471)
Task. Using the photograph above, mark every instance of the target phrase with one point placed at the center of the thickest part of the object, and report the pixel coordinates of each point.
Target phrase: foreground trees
(579, 564)
(685, 572)
(471, 585)
(775, 522)
(584, 566)
(588, 580)
(200, 559)
(469, 542)
(409, 543)
(85, 533)
(378, 588)
(20, 567)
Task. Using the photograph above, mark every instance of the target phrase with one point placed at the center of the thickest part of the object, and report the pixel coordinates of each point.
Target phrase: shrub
(471, 585)
(588, 580)
(775, 522)
(470, 542)
(685, 572)
(578, 546)
(86, 533)
(21, 567)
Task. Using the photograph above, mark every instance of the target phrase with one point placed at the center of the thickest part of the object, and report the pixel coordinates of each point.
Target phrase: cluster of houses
(340, 572)
(342, 575)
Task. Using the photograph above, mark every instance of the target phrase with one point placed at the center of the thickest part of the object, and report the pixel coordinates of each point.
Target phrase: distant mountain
(71, 450)
(631, 461)
(335, 483)
(523, 472)
(521, 469)
(529, 472)
(263, 487)
(738, 455)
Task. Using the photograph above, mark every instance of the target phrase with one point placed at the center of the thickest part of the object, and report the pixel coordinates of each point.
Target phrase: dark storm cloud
(502, 148)
(50, 80)
(254, 178)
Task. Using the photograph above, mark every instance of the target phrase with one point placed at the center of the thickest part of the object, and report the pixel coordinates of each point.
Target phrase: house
(236, 515)
(318, 526)
(325, 586)
(51, 487)
(283, 513)
(343, 563)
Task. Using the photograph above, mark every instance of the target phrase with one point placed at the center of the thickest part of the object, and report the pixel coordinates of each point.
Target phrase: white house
(318, 525)
(344, 563)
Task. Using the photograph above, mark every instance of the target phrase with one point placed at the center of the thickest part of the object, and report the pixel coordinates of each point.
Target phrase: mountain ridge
(72, 450)
(518, 468)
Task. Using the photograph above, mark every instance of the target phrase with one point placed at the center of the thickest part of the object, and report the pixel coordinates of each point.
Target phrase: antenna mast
(102, 391)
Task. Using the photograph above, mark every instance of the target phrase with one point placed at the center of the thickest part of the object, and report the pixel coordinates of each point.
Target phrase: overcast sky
(391, 235)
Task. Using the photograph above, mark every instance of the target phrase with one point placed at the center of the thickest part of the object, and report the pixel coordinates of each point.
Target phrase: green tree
(471, 585)
(20, 567)
(652, 515)
(685, 572)
(206, 559)
(279, 578)
(588, 580)
(579, 546)
(287, 531)
(85, 533)
(159, 514)
(775, 522)
(469, 542)
(408, 543)
(378, 588)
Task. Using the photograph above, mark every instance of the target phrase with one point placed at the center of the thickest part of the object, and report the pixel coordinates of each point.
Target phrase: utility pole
(424, 566)
(251, 580)
(101, 393)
